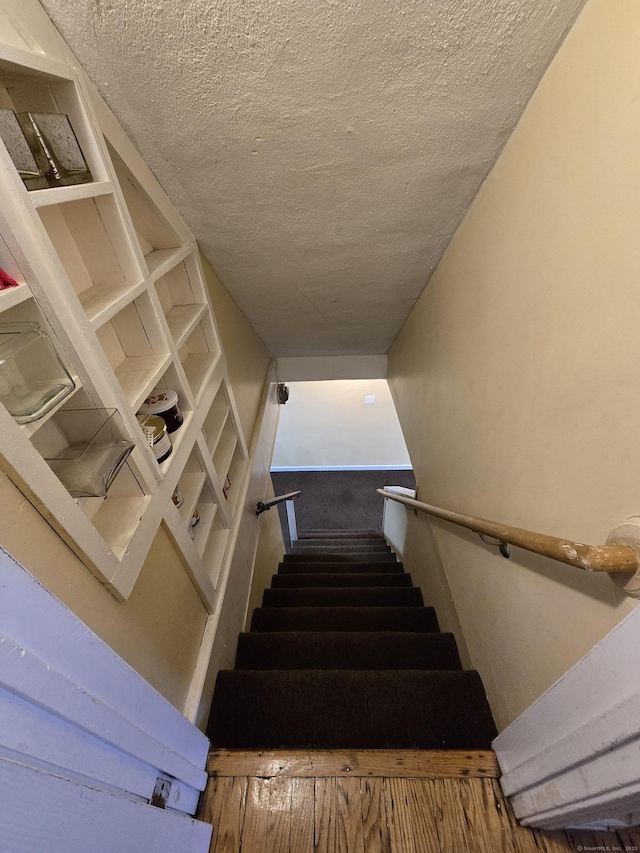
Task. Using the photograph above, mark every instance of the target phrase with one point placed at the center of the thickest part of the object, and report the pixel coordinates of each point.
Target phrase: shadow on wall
(337, 500)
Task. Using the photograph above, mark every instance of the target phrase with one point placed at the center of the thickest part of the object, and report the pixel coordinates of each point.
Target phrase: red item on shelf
(6, 280)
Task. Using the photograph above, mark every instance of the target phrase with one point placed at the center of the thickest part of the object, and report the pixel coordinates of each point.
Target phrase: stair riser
(337, 650)
(420, 619)
(343, 597)
(313, 566)
(332, 552)
(337, 579)
(339, 534)
(355, 557)
(360, 544)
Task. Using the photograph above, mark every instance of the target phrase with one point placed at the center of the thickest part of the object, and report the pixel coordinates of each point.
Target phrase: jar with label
(155, 431)
(163, 402)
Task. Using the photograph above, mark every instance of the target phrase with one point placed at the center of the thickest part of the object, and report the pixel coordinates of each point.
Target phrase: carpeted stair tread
(347, 533)
(337, 650)
(421, 619)
(333, 566)
(348, 709)
(316, 579)
(355, 557)
(336, 543)
(343, 597)
(330, 552)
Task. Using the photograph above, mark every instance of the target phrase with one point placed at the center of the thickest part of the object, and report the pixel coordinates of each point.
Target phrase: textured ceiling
(323, 153)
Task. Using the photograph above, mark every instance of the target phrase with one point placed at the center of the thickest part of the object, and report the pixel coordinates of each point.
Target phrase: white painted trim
(279, 469)
(201, 670)
(401, 490)
(74, 818)
(291, 518)
(572, 758)
(50, 659)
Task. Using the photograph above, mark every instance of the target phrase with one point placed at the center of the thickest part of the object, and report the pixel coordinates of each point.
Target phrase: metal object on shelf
(31, 172)
(33, 380)
(55, 148)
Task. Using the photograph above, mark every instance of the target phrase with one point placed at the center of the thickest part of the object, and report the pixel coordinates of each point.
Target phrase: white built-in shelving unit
(112, 274)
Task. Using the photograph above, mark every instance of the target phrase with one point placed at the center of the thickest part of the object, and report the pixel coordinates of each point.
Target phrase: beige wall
(517, 374)
(248, 358)
(269, 554)
(327, 424)
(157, 630)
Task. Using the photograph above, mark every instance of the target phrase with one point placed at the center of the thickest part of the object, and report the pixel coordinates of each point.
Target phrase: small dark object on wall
(283, 393)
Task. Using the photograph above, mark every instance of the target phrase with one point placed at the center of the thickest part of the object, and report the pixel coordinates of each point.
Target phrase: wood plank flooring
(373, 801)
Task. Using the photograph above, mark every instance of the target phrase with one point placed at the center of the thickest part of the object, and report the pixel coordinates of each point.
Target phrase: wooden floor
(373, 801)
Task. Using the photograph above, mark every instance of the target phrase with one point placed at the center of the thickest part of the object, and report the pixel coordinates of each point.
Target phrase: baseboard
(280, 469)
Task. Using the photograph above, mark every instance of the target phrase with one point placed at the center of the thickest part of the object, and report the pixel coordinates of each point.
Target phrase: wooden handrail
(591, 558)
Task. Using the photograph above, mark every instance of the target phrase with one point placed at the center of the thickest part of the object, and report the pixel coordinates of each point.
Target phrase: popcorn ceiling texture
(323, 153)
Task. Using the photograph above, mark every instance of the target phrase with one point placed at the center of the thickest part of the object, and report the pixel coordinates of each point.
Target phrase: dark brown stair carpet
(343, 597)
(325, 567)
(350, 709)
(317, 579)
(352, 557)
(343, 654)
(339, 534)
(365, 547)
(340, 650)
(422, 619)
(332, 543)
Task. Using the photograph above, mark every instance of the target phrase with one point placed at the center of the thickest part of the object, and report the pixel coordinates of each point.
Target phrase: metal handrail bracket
(263, 506)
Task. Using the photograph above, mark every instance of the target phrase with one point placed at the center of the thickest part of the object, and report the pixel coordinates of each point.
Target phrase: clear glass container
(88, 447)
(32, 378)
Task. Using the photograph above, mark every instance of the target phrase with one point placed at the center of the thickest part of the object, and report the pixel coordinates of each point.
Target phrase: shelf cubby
(190, 485)
(90, 239)
(136, 349)
(117, 516)
(206, 508)
(216, 419)
(234, 478)
(30, 82)
(12, 295)
(153, 232)
(199, 355)
(224, 451)
(214, 550)
(181, 308)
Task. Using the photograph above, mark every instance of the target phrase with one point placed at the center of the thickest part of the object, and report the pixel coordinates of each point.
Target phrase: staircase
(343, 654)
